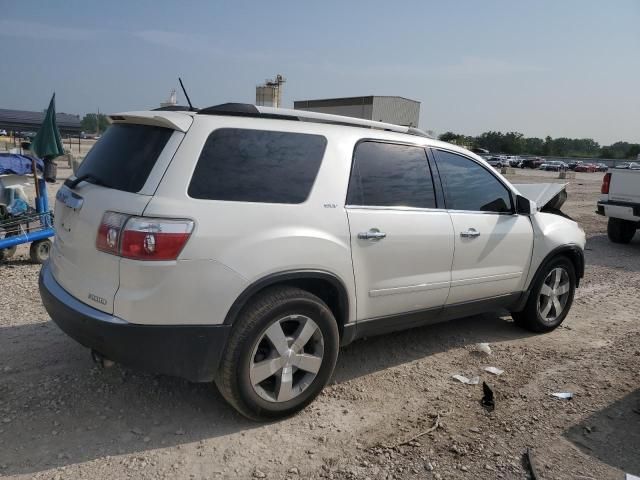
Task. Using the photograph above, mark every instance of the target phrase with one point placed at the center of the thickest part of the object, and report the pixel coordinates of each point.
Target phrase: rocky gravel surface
(392, 411)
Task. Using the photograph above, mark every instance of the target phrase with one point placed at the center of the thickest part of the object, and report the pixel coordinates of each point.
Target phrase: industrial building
(398, 110)
(269, 94)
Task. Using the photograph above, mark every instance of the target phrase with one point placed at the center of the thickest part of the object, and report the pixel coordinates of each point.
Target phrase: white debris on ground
(494, 370)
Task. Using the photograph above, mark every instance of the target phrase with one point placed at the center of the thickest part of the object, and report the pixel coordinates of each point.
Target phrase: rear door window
(124, 156)
(257, 166)
(469, 186)
(390, 175)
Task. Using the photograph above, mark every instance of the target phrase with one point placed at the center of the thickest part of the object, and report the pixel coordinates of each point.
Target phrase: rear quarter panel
(238, 243)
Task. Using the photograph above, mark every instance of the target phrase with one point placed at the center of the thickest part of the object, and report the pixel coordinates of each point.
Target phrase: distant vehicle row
(499, 161)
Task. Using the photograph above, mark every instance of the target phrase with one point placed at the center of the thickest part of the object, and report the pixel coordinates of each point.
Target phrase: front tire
(620, 231)
(551, 297)
(280, 354)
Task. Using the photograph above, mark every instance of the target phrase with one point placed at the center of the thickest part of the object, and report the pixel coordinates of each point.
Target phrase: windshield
(124, 156)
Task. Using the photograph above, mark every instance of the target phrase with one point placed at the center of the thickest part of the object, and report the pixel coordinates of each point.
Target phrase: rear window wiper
(72, 184)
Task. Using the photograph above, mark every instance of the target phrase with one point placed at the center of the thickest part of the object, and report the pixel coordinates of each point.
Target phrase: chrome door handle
(470, 233)
(372, 234)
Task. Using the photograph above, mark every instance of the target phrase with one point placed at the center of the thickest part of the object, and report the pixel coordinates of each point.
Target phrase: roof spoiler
(176, 120)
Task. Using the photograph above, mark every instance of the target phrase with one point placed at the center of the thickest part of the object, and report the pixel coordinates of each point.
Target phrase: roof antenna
(191, 109)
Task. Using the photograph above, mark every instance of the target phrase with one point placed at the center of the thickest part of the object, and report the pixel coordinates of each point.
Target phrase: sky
(561, 68)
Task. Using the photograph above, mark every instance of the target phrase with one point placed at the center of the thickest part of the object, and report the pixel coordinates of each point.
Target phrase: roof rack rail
(244, 110)
(174, 108)
(248, 110)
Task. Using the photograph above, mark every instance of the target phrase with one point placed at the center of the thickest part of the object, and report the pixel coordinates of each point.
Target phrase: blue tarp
(17, 164)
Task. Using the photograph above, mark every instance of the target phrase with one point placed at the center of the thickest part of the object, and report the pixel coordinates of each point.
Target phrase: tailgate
(625, 186)
(89, 275)
(119, 174)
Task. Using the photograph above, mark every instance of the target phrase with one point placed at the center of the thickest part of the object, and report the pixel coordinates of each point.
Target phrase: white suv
(244, 245)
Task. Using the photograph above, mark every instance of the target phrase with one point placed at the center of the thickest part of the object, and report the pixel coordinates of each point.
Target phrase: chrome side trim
(489, 278)
(479, 212)
(72, 302)
(426, 210)
(408, 209)
(408, 289)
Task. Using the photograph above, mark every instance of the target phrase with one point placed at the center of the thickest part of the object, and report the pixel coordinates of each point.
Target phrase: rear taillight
(606, 181)
(109, 232)
(154, 238)
(143, 238)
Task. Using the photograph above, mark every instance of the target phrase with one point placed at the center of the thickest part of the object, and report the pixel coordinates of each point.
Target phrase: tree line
(515, 143)
(93, 123)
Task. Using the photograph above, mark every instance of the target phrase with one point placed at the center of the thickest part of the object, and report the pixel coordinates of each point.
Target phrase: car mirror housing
(524, 206)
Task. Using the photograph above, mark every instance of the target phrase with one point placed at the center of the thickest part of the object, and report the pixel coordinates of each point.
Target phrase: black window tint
(125, 155)
(469, 186)
(257, 166)
(385, 174)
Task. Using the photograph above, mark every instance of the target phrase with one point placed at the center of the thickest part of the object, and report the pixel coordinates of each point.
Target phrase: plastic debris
(468, 381)
(494, 370)
(484, 348)
(563, 395)
(488, 401)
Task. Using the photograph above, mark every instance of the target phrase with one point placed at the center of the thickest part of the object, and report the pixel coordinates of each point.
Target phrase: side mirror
(524, 206)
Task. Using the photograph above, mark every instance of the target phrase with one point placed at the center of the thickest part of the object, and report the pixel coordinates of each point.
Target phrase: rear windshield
(125, 155)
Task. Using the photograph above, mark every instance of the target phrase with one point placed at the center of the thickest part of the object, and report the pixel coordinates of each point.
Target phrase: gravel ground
(62, 418)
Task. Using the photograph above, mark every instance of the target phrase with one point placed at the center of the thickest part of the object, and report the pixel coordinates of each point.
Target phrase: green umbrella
(47, 143)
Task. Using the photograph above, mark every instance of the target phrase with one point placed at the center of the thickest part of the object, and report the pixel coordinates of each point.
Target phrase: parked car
(620, 202)
(554, 165)
(586, 167)
(239, 245)
(3, 133)
(628, 165)
(534, 162)
(601, 167)
(574, 164)
(513, 161)
(496, 162)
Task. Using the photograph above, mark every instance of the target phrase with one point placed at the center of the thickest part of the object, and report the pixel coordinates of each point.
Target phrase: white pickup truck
(620, 201)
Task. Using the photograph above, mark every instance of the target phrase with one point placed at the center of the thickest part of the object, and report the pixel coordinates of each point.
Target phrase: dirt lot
(61, 417)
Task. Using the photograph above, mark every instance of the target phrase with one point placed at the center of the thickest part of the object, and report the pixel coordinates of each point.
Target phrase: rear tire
(621, 231)
(550, 299)
(6, 253)
(39, 250)
(280, 354)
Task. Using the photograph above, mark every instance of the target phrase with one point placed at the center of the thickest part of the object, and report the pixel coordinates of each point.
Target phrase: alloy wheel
(554, 294)
(287, 358)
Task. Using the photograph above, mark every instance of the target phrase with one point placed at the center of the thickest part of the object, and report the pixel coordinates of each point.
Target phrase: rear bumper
(188, 351)
(624, 210)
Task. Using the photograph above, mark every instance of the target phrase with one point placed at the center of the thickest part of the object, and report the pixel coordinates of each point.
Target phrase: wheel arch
(575, 255)
(573, 252)
(325, 285)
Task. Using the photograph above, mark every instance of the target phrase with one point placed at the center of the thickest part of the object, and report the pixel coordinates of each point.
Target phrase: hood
(545, 195)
